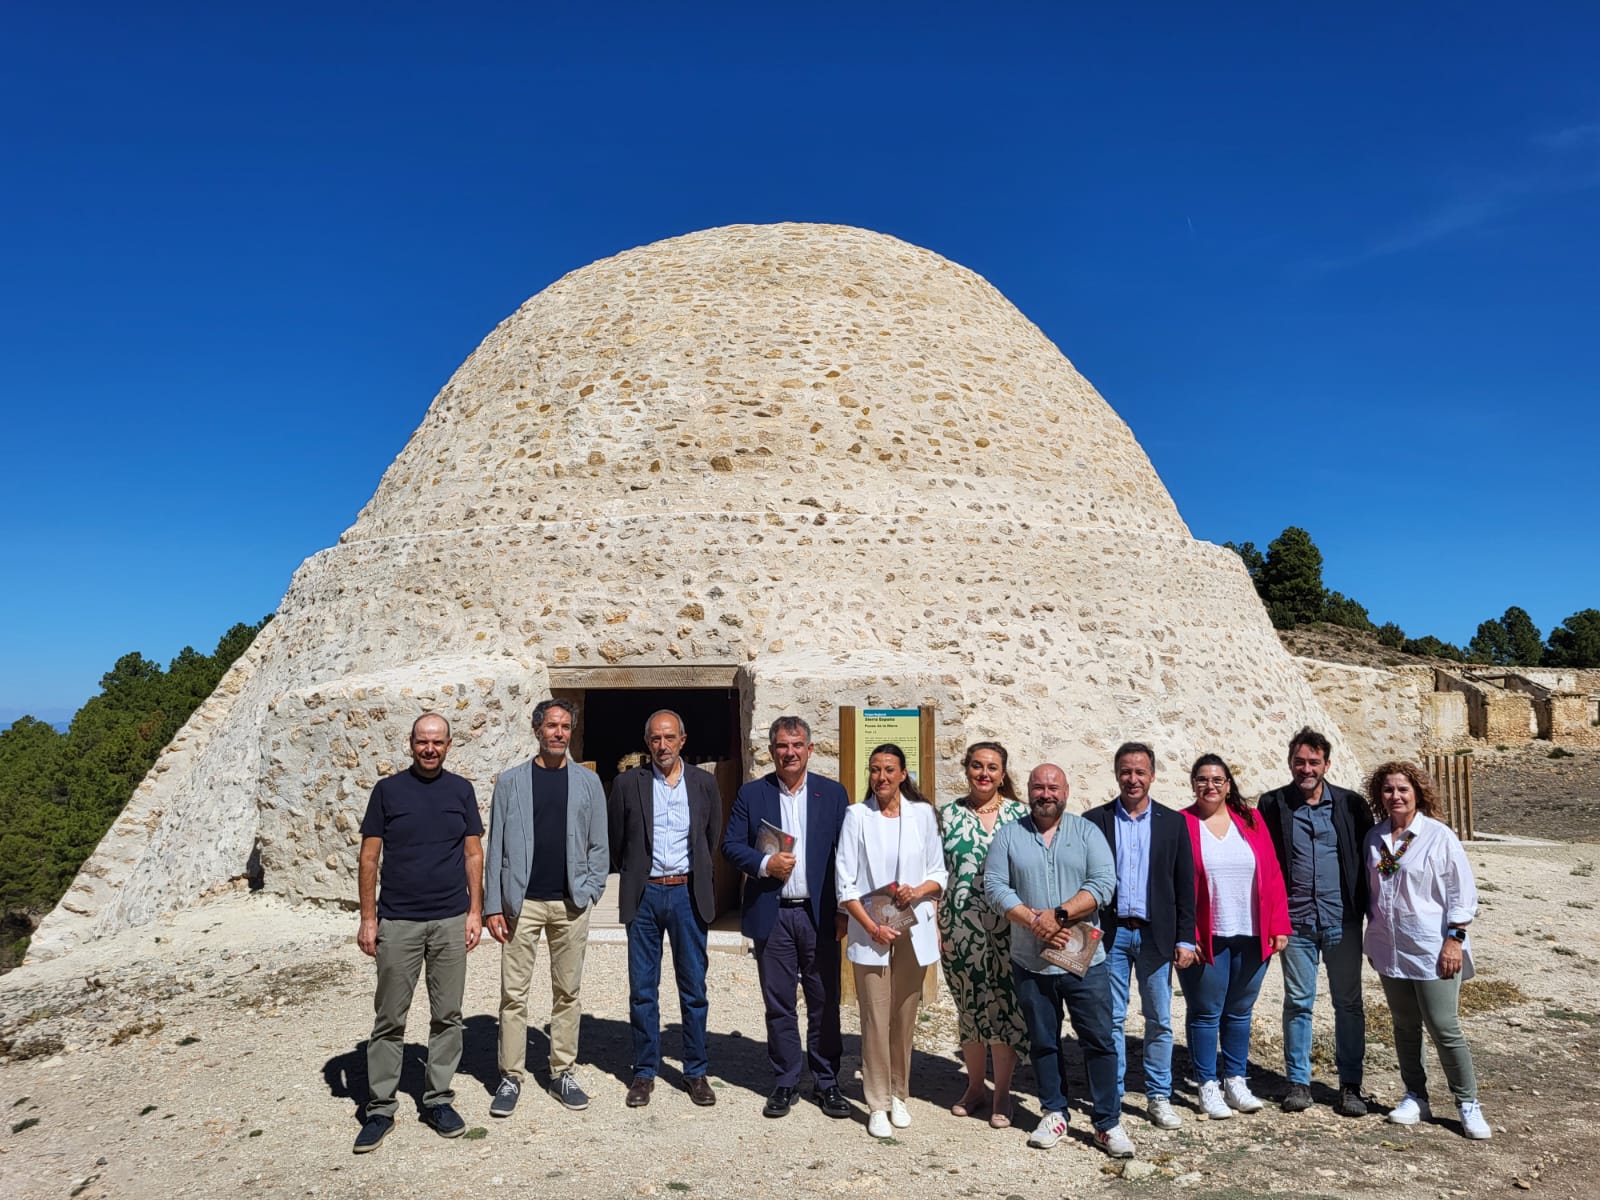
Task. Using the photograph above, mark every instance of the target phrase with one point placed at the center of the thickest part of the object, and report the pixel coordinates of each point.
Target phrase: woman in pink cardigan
(1241, 919)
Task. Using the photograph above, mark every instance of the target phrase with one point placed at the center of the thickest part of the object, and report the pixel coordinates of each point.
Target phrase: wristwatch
(1062, 919)
(1457, 934)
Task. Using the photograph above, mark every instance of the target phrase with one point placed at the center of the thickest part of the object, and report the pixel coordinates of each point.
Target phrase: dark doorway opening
(609, 735)
(613, 725)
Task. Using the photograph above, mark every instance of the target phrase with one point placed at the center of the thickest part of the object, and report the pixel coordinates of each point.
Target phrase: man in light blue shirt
(1150, 926)
(664, 819)
(1047, 872)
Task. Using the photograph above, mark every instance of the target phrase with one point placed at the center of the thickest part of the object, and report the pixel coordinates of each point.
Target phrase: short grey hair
(790, 724)
(683, 730)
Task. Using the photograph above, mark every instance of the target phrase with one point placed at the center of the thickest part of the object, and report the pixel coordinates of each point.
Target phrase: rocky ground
(219, 1053)
(1523, 791)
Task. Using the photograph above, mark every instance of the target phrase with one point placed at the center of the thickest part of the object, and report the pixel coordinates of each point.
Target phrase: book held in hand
(883, 911)
(772, 840)
(1078, 954)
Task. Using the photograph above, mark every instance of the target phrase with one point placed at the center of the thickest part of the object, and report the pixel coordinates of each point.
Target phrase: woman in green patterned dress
(975, 939)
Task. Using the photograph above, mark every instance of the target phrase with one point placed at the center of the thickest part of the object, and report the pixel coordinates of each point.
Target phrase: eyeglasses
(1209, 785)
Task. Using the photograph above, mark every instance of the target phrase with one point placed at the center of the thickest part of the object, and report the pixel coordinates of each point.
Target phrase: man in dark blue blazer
(791, 912)
(1149, 925)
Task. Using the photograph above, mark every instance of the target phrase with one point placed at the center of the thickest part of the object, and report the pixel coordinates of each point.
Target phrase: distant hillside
(57, 718)
(1359, 648)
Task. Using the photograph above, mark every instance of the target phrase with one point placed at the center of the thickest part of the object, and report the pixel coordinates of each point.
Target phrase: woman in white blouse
(890, 866)
(1241, 920)
(1422, 900)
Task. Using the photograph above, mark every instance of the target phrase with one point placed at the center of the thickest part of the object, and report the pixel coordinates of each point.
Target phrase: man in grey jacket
(544, 867)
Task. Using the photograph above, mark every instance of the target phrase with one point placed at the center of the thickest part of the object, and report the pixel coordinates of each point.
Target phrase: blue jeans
(668, 910)
(1220, 996)
(1088, 1003)
(1340, 951)
(1131, 952)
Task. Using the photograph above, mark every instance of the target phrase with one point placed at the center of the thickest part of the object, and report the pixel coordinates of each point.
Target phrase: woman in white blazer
(891, 872)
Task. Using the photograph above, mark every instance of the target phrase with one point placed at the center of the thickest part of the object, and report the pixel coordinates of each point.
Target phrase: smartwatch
(1458, 934)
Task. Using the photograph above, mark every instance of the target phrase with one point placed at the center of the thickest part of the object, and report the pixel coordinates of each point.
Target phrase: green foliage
(1290, 579)
(1339, 609)
(1524, 644)
(1576, 641)
(1488, 645)
(1432, 647)
(1390, 634)
(1513, 640)
(59, 793)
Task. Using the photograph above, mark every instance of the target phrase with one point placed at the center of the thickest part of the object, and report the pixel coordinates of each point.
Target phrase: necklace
(992, 807)
(1389, 863)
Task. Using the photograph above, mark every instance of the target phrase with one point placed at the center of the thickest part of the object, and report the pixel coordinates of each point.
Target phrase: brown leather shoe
(700, 1091)
(639, 1090)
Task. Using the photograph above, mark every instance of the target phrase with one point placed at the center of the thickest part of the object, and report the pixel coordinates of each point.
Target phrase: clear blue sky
(1338, 266)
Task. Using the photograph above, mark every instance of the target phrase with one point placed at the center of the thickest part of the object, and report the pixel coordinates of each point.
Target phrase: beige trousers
(566, 929)
(888, 997)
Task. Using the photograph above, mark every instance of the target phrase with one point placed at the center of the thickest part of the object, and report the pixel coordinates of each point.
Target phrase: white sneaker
(1114, 1142)
(899, 1114)
(1212, 1103)
(1051, 1129)
(1159, 1110)
(1410, 1111)
(878, 1125)
(1473, 1123)
(1236, 1092)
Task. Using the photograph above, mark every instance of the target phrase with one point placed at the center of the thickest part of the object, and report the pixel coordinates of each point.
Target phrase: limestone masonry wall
(841, 467)
(1379, 711)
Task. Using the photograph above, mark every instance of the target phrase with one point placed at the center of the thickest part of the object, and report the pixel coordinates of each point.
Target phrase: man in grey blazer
(665, 817)
(544, 867)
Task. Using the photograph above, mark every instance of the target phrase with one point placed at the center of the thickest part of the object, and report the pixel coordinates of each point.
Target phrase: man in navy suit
(1149, 925)
(791, 913)
(663, 823)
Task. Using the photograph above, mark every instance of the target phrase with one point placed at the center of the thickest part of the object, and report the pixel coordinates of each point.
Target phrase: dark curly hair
(1421, 784)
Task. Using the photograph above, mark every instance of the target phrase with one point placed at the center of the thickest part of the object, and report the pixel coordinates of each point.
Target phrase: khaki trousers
(888, 997)
(404, 949)
(566, 929)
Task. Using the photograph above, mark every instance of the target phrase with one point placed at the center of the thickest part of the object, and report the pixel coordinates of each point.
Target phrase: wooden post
(1452, 775)
(929, 785)
(849, 752)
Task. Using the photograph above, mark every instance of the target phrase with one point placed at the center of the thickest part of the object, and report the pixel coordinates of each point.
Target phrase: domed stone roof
(836, 468)
(760, 368)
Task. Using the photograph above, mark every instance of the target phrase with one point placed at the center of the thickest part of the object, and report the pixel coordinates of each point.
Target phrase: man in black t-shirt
(423, 825)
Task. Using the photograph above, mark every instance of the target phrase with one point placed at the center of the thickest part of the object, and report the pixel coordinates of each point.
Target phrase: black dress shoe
(444, 1120)
(832, 1102)
(780, 1102)
(639, 1090)
(700, 1092)
(372, 1132)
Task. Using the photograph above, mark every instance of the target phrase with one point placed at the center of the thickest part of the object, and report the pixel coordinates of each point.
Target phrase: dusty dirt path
(224, 1060)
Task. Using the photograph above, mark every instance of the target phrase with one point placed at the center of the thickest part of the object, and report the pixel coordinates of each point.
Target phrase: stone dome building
(749, 471)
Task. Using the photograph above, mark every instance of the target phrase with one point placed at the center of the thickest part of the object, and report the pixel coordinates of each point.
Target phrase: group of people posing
(1031, 910)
